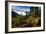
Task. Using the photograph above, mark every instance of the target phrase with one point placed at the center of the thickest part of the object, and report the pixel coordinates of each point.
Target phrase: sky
(23, 8)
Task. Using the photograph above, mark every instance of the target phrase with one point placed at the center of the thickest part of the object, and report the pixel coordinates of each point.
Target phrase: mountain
(36, 11)
(14, 13)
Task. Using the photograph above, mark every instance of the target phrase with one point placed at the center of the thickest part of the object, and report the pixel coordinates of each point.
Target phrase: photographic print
(25, 16)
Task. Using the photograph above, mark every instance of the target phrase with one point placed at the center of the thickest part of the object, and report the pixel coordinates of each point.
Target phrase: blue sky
(23, 8)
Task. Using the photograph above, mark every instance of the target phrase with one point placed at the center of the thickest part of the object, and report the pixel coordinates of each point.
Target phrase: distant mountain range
(19, 13)
(34, 11)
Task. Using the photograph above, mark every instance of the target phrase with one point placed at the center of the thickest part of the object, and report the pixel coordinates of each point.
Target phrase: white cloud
(20, 12)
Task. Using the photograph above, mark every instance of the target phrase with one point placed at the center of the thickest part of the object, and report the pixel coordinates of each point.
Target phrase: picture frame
(11, 6)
